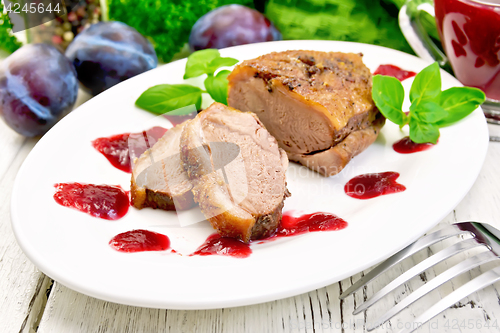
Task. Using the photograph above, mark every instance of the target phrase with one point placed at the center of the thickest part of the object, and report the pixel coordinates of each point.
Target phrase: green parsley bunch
(167, 23)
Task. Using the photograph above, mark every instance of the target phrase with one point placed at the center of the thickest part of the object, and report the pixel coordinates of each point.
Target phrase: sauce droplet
(120, 149)
(223, 246)
(103, 201)
(406, 146)
(291, 225)
(372, 185)
(394, 71)
(140, 240)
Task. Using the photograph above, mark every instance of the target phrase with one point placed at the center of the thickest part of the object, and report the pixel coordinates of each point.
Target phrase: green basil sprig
(164, 98)
(430, 107)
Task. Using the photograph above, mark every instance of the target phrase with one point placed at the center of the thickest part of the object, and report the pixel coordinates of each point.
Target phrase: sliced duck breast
(158, 178)
(241, 193)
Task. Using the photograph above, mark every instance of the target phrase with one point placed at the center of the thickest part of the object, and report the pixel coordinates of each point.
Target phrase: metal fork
(482, 235)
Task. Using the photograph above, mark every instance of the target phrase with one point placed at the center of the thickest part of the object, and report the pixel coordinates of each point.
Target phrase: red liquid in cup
(470, 33)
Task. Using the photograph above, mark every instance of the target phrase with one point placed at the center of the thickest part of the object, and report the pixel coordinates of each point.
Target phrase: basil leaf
(421, 132)
(459, 102)
(217, 86)
(429, 111)
(198, 62)
(427, 84)
(168, 97)
(220, 62)
(388, 94)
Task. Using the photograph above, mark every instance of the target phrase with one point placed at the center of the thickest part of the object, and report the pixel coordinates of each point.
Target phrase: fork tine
(446, 232)
(417, 269)
(470, 287)
(442, 278)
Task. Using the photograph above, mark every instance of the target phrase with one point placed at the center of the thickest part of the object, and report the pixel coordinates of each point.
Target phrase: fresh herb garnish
(430, 107)
(163, 98)
(217, 86)
(167, 97)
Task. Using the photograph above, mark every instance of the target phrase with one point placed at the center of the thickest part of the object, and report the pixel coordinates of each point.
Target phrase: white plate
(72, 247)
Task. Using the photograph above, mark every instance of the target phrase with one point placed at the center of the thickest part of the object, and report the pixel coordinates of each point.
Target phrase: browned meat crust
(331, 161)
(142, 198)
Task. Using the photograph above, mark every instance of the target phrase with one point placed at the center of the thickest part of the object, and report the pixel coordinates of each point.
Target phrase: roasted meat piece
(310, 101)
(243, 195)
(158, 179)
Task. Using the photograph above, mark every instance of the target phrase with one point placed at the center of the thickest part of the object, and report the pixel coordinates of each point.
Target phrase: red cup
(470, 34)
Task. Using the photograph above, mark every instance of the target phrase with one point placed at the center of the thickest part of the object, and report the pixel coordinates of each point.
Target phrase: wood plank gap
(37, 305)
(341, 306)
(312, 313)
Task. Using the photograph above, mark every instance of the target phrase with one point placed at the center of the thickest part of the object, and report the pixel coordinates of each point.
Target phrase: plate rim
(248, 301)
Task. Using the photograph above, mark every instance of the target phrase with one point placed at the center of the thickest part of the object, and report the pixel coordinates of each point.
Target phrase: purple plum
(108, 53)
(231, 25)
(38, 86)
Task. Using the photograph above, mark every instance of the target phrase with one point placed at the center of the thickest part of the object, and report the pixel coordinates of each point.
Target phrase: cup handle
(415, 33)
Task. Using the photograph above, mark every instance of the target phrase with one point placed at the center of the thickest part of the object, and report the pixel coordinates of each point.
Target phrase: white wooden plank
(22, 286)
(482, 203)
(10, 143)
(69, 311)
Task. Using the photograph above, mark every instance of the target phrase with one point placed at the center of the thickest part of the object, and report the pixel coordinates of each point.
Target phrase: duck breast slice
(158, 178)
(310, 101)
(237, 171)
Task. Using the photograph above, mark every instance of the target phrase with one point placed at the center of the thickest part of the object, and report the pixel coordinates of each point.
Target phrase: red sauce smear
(406, 146)
(372, 185)
(103, 201)
(176, 120)
(291, 226)
(120, 149)
(394, 71)
(139, 241)
(223, 246)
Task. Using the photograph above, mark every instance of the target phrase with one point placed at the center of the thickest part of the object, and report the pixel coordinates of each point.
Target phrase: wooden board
(23, 289)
